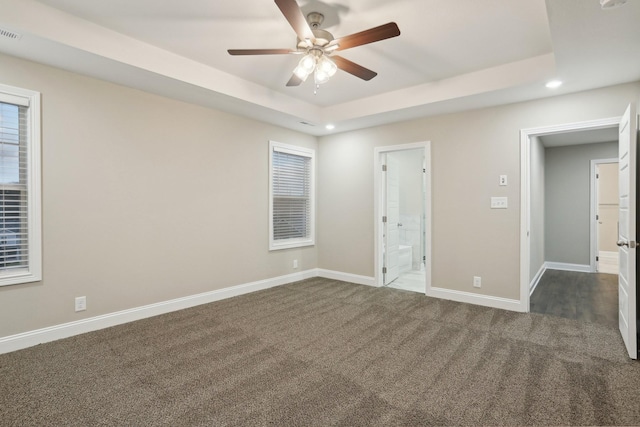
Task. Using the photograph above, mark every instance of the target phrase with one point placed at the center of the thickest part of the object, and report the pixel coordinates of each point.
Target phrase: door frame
(378, 211)
(593, 229)
(391, 204)
(525, 191)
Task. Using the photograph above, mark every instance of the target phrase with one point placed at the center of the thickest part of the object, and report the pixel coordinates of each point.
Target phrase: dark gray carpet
(591, 297)
(322, 352)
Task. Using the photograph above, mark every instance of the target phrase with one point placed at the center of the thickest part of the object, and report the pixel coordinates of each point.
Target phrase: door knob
(632, 244)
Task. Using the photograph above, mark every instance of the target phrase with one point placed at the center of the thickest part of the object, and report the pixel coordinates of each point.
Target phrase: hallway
(590, 297)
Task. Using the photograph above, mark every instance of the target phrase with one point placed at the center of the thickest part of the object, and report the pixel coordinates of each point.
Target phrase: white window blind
(19, 186)
(292, 196)
(14, 247)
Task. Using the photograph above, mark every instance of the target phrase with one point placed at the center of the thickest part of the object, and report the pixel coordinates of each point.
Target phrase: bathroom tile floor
(410, 281)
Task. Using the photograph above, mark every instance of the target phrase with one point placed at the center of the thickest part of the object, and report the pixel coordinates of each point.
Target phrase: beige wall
(468, 153)
(145, 199)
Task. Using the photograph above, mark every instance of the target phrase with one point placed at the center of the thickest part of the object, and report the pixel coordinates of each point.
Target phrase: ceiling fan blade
(371, 35)
(296, 18)
(294, 81)
(353, 68)
(260, 51)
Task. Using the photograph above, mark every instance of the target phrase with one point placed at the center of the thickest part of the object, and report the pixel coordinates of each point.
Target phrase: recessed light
(330, 127)
(553, 84)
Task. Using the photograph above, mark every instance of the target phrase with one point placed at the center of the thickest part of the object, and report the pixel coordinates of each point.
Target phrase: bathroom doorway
(402, 217)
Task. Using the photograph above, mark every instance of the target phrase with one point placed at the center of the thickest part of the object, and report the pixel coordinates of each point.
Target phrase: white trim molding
(548, 265)
(346, 277)
(52, 333)
(477, 299)
(32, 271)
(66, 330)
(536, 278)
(608, 256)
(565, 266)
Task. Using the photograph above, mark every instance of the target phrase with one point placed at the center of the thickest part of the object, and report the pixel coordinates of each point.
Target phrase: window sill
(290, 245)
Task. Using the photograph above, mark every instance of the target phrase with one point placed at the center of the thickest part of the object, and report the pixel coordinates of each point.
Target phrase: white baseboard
(477, 299)
(604, 256)
(65, 330)
(607, 256)
(536, 278)
(567, 267)
(609, 262)
(346, 277)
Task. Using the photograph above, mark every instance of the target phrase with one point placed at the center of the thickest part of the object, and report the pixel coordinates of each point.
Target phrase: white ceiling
(451, 55)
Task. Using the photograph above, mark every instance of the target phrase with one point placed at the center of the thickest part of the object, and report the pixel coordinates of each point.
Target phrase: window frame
(293, 242)
(30, 98)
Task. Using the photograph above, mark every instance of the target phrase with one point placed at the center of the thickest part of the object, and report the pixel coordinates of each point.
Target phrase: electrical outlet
(81, 303)
(503, 180)
(477, 281)
(295, 263)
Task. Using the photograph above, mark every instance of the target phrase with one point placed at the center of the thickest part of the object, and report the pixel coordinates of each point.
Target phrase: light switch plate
(499, 203)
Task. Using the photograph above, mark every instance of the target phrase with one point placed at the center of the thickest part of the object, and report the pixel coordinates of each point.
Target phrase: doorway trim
(525, 191)
(378, 201)
(593, 223)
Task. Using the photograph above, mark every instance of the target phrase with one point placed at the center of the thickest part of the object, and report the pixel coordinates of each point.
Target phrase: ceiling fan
(319, 46)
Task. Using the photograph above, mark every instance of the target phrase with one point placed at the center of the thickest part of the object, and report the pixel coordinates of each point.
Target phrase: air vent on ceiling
(9, 34)
(307, 123)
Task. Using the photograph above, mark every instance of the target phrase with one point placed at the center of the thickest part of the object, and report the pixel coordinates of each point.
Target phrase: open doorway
(557, 208)
(534, 244)
(567, 205)
(604, 216)
(562, 236)
(403, 259)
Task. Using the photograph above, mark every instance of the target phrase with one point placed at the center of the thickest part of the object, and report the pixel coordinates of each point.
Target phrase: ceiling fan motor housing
(323, 37)
(315, 19)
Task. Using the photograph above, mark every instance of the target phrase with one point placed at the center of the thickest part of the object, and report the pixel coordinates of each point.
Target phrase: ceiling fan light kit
(318, 46)
(305, 67)
(319, 64)
(325, 67)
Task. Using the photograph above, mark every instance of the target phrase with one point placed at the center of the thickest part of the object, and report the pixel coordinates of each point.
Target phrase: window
(20, 247)
(291, 196)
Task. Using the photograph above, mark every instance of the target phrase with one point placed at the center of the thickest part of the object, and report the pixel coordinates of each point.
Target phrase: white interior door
(627, 233)
(391, 232)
